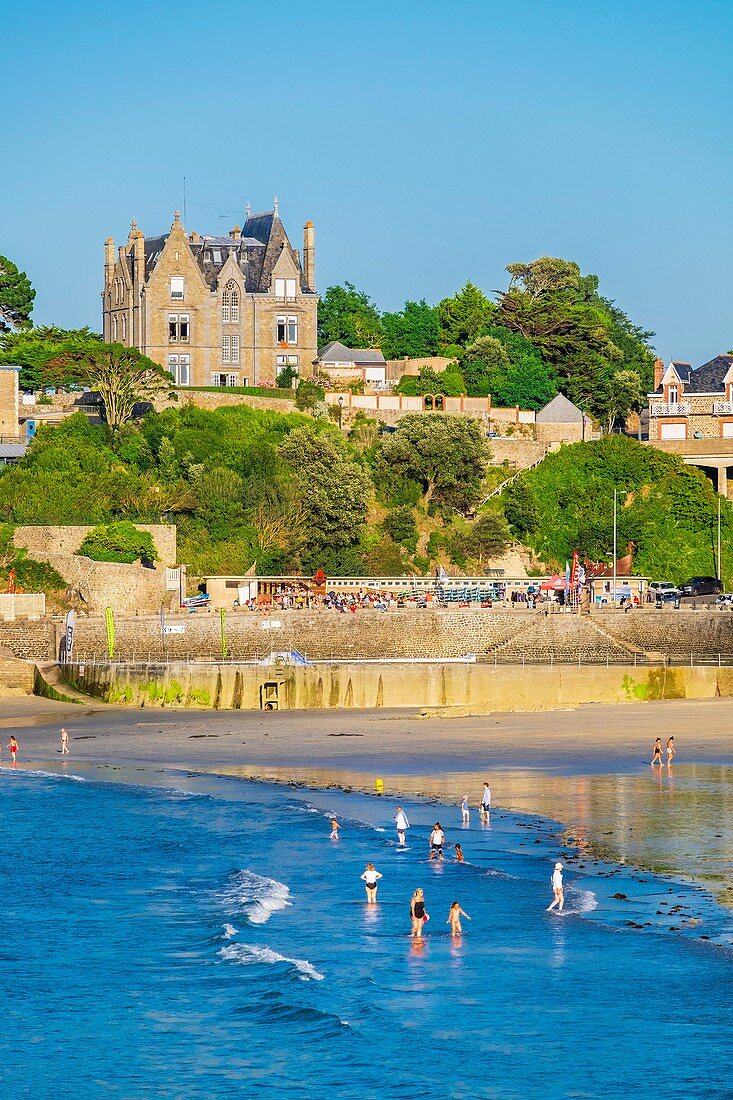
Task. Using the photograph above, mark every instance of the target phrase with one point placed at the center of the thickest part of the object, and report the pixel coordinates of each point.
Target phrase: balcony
(722, 408)
(669, 408)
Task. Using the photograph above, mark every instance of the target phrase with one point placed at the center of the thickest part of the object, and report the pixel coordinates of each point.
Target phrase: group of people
(419, 916)
(657, 752)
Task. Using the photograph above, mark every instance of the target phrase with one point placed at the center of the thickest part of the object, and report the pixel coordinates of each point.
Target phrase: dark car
(701, 586)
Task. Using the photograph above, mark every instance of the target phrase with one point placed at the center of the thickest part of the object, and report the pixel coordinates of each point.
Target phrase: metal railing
(669, 408)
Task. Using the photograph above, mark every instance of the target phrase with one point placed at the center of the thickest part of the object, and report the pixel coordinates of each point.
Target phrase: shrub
(120, 542)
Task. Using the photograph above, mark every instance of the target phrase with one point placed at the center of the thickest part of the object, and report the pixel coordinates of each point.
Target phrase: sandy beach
(588, 768)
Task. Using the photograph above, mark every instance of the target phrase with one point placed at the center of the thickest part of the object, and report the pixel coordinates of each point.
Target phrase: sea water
(175, 937)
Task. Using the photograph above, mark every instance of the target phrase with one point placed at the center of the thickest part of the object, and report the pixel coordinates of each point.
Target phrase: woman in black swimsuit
(657, 752)
(418, 916)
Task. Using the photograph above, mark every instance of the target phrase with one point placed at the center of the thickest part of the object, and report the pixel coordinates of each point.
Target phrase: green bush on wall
(118, 542)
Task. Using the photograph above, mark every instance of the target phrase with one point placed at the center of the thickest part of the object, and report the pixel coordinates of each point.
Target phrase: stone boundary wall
(96, 584)
(506, 636)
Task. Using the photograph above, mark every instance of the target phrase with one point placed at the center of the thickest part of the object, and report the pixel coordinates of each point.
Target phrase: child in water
(465, 811)
(459, 854)
(454, 919)
(13, 746)
(334, 829)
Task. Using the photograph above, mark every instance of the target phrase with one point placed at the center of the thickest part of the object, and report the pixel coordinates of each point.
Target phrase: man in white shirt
(485, 806)
(400, 820)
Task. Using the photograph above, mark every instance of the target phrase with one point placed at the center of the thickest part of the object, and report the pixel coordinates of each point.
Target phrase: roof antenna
(185, 219)
(275, 205)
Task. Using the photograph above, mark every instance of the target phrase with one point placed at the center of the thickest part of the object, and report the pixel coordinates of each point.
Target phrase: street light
(341, 408)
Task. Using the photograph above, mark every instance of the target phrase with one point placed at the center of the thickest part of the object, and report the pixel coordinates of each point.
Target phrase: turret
(309, 255)
(109, 260)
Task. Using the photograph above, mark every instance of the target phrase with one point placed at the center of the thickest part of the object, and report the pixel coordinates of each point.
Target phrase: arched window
(230, 302)
(124, 328)
(114, 330)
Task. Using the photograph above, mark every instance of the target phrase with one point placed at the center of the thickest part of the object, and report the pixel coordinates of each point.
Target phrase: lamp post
(720, 571)
(341, 408)
(614, 548)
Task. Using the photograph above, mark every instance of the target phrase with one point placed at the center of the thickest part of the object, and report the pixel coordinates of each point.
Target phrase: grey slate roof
(336, 352)
(707, 378)
(560, 411)
(256, 251)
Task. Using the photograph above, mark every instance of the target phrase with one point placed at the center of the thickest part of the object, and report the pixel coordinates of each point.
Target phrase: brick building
(213, 310)
(692, 404)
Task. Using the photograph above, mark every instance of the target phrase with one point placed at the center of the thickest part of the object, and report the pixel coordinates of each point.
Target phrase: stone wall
(477, 688)
(94, 584)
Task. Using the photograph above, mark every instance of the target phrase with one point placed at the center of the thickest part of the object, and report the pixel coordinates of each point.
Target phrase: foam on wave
(246, 954)
(254, 896)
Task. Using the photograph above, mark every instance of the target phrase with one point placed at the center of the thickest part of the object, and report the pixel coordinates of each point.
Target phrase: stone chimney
(658, 372)
(109, 260)
(138, 252)
(234, 233)
(309, 255)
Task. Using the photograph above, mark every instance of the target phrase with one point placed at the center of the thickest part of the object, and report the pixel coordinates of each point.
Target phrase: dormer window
(729, 391)
(673, 394)
(178, 287)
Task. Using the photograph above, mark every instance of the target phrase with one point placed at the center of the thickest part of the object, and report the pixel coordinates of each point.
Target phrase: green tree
(123, 378)
(449, 382)
(308, 394)
(121, 542)
(413, 332)
(446, 455)
(348, 315)
(621, 395)
(16, 296)
(462, 317)
(400, 524)
(334, 490)
(484, 367)
(47, 355)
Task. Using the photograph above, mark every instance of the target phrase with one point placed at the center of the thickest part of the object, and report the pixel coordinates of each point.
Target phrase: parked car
(701, 586)
(667, 597)
(725, 602)
(655, 587)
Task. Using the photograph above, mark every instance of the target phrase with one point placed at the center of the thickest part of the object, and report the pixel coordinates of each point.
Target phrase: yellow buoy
(379, 786)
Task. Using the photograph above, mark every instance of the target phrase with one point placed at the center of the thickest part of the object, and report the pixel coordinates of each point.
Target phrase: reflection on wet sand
(677, 821)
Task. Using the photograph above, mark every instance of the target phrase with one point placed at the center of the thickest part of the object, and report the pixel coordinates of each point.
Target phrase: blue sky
(430, 143)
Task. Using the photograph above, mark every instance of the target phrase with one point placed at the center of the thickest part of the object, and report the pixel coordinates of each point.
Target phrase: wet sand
(586, 768)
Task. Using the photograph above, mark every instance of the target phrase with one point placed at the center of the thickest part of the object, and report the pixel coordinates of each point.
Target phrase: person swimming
(370, 878)
(454, 919)
(459, 854)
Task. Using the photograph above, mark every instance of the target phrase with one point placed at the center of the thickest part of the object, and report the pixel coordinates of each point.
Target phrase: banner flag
(224, 652)
(69, 636)
(109, 620)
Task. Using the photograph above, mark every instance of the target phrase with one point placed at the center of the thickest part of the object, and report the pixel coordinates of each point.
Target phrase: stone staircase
(16, 676)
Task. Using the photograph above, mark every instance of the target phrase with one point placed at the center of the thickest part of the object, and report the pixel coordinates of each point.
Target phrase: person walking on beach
(418, 915)
(334, 829)
(671, 751)
(437, 840)
(13, 746)
(657, 753)
(64, 742)
(400, 820)
(485, 807)
(557, 889)
(371, 877)
(465, 811)
(454, 919)
(459, 854)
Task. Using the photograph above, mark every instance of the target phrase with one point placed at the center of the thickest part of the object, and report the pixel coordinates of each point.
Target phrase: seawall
(479, 688)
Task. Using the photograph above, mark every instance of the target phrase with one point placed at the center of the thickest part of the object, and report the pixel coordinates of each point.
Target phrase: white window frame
(173, 366)
(184, 370)
(279, 288)
(281, 322)
(226, 304)
(292, 328)
(178, 288)
(184, 319)
(172, 328)
(235, 349)
(293, 361)
(226, 349)
(281, 360)
(290, 289)
(673, 394)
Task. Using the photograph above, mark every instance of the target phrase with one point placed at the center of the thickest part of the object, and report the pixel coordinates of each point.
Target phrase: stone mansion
(215, 311)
